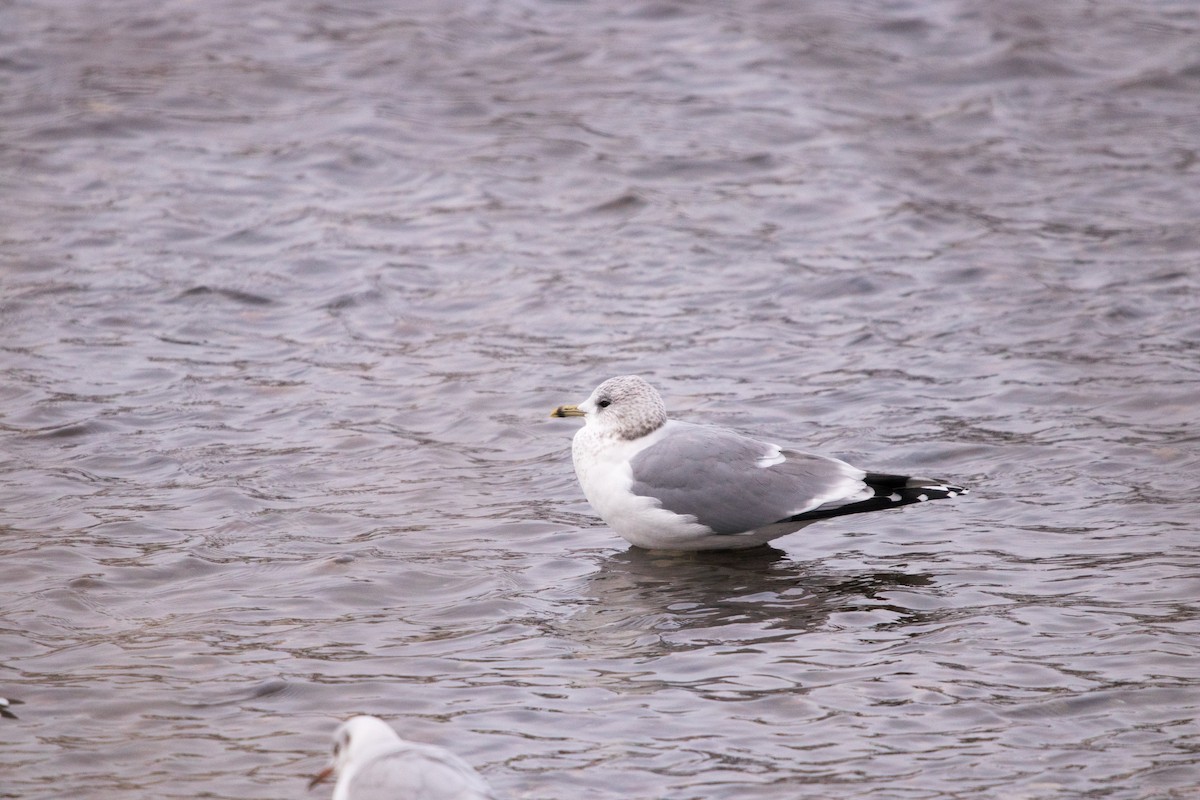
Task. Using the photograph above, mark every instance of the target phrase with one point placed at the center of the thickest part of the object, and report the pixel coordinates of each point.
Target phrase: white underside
(603, 467)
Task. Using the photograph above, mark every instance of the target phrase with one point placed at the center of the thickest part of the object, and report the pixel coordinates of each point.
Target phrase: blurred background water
(288, 290)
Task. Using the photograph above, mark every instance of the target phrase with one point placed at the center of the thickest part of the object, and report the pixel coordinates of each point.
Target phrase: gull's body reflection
(659, 602)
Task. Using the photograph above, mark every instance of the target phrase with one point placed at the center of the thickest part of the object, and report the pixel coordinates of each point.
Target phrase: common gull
(372, 762)
(663, 484)
(6, 704)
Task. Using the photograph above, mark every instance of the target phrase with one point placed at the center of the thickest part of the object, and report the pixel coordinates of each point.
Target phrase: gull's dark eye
(604, 403)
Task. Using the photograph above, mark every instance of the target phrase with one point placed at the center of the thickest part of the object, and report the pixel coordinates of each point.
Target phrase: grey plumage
(715, 476)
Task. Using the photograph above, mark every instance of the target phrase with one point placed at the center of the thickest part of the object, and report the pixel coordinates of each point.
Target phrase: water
(288, 291)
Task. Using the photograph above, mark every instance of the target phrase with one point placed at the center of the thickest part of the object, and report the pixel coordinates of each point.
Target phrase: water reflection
(643, 600)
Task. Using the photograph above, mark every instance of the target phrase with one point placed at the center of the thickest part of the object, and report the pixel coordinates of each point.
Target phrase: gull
(6, 704)
(663, 484)
(372, 762)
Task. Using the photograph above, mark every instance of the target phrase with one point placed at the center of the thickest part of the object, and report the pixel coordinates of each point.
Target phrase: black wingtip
(891, 491)
(5, 702)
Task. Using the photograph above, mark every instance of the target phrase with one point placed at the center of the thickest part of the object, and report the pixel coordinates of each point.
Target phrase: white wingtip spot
(771, 457)
(895, 498)
(922, 497)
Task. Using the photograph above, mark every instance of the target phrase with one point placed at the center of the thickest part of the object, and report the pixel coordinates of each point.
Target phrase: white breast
(603, 466)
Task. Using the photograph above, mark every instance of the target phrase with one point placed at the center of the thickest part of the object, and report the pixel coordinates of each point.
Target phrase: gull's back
(415, 772)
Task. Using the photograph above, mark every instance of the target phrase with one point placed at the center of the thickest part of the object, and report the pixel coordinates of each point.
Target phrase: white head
(354, 742)
(625, 407)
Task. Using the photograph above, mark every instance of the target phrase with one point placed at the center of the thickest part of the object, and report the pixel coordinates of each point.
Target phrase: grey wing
(732, 483)
(418, 772)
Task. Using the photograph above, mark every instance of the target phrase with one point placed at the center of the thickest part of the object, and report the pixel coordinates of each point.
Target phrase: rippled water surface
(288, 290)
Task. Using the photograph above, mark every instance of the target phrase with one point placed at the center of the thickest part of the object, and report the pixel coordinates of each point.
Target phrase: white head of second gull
(372, 762)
